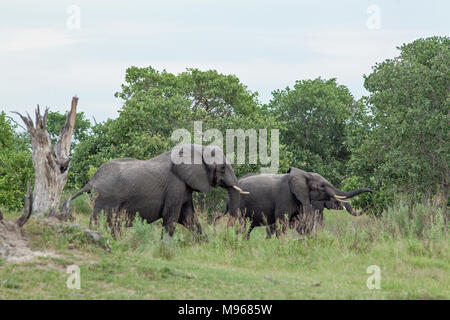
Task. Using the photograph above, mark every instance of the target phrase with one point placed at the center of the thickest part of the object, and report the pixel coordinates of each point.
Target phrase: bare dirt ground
(14, 244)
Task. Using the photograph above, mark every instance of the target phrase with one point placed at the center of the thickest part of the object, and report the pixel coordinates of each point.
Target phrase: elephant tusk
(340, 200)
(340, 197)
(240, 190)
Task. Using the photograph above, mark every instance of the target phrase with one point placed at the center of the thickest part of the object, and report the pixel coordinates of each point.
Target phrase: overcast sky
(46, 56)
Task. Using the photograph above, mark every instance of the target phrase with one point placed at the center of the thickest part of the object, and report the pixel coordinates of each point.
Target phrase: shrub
(420, 220)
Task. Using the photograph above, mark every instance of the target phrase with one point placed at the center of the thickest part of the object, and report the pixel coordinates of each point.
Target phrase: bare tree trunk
(51, 164)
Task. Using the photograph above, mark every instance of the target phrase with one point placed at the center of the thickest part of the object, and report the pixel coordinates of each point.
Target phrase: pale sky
(45, 58)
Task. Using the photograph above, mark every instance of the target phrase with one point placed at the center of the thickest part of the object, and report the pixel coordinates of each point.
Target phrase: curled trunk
(350, 210)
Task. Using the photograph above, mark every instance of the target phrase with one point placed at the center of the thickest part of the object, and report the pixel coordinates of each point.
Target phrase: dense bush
(16, 167)
(406, 147)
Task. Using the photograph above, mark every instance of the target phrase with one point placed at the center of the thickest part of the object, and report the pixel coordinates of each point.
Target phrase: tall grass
(419, 222)
(422, 221)
(407, 243)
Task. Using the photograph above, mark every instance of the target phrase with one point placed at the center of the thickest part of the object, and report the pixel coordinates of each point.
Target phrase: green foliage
(16, 167)
(408, 147)
(56, 120)
(6, 132)
(316, 113)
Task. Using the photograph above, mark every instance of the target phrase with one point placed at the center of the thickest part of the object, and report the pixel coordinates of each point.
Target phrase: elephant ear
(299, 185)
(194, 172)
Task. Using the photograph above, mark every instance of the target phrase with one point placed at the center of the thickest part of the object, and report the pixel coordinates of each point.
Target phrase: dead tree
(51, 163)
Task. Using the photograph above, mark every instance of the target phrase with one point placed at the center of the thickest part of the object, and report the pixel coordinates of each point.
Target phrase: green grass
(413, 258)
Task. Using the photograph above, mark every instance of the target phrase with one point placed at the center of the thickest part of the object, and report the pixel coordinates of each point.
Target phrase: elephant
(162, 187)
(274, 197)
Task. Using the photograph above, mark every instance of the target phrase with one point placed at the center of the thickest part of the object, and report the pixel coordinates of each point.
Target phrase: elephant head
(309, 187)
(203, 167)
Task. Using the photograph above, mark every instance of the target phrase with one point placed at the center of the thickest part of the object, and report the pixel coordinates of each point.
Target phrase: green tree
(16, 167)
(56, 120)
(408, 148)
(316, 114)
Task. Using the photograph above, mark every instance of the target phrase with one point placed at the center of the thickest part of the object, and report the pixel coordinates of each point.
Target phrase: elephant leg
(98, 207)
(294, 222)
(189, 219)
(247, 235)
(281, 219)
(314, 221)
(309, 220)
(270, 230)
(320, 218)
(171, 215)
(110, 213)
(277, 228)
(130, 219)
(234, 217)
(242, 224)
(280, 226)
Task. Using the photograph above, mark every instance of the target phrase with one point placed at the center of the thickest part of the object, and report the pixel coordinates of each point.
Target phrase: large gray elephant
(274, 197)
(162, 187)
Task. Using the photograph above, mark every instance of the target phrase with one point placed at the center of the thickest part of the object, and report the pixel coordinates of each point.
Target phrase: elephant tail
(86, 188)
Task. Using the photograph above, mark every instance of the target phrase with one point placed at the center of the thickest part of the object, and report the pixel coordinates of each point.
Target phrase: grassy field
(412, 253)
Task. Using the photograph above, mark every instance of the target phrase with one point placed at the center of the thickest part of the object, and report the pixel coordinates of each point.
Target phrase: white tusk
(240, 190)
(340, 197)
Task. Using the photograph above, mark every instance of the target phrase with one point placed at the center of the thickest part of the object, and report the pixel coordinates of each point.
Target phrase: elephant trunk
(350, 210)
(340, 195)
(230, 181)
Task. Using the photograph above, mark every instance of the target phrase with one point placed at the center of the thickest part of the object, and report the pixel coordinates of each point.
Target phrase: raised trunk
(352, 193)
(51, 164)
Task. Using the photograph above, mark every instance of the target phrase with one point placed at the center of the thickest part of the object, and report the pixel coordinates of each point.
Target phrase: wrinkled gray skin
(275, 197)
(159, 188)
